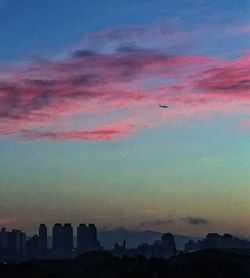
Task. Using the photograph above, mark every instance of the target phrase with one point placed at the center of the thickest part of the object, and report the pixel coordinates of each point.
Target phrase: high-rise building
(62, 238)
(168, 244)
(3, 241)
(16, 244)
(87, 238)
(12, 244)
(57, 237)
(42, 239)
(67, 238)
(93, 234)
(213, 240)
(32, 247)
(82, 237)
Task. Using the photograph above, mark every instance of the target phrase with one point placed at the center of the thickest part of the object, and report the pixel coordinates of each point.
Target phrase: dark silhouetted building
(164, 248)
(168, 244)
(42, 232)
(57, 237)
(16, 244)
(62, 243)
(120, 249)
(216, 241)
(32, 247)
(67, 239)
(12, 244)
(87, 238)
(3, 241)
(213, 241)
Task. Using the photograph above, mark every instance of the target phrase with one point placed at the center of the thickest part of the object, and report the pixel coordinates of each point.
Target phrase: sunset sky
(82, 136)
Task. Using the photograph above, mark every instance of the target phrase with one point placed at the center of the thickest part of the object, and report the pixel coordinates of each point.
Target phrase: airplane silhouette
(163, 106)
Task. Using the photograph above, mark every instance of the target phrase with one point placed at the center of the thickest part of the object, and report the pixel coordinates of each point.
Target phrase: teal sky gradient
(163, 173)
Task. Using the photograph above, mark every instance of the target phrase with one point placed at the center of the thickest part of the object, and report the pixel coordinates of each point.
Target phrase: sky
(82, 136)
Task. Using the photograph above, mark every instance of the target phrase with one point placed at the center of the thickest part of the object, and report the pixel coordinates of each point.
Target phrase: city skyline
(17, 247)
(82, 136)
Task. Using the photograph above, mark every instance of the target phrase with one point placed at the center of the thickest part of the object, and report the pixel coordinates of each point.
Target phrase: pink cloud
(104, 133)
(132, 82)
(229, 81)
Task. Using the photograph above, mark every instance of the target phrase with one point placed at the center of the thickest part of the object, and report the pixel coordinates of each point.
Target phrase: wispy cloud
(129, 76)
(195, 221)
(104, 133)
(188, 220)
(157, 223)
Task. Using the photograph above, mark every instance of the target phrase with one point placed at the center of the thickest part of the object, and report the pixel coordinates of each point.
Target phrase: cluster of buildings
(216, 241)
(164, 248)
(14, 245)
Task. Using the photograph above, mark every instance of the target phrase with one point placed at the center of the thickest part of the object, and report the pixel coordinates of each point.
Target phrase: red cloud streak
(105, 133)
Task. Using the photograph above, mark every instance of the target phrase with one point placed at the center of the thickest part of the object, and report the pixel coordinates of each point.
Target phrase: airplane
(163, 106)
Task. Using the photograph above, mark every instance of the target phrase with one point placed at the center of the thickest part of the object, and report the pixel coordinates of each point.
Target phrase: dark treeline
(201, 264)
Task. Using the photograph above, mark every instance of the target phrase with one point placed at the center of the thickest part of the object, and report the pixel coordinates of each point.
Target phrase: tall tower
(93, 236)
(62, 239)
(42, 239)
(82, 238)
(16, 243)
(3, 239)
(168, 243)
(57, 235)
(67, 238)
(87, 238)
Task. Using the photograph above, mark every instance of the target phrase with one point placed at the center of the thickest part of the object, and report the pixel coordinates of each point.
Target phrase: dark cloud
(127, 49)
(118, 34)
(41, 83)
(164, 222)
(84, 53)
(195, 220)
(158, 222)
(85, 79)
